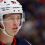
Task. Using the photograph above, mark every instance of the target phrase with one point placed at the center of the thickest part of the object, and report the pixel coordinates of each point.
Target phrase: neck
(5, 39)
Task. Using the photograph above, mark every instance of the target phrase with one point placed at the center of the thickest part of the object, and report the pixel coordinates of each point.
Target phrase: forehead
(13, 14)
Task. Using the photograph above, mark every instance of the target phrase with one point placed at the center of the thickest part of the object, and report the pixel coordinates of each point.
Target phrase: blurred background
(33, 29)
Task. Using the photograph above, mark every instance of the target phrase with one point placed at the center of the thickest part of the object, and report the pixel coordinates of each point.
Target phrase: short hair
(5, 14)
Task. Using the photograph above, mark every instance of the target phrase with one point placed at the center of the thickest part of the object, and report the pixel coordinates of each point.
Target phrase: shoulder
(20, 41)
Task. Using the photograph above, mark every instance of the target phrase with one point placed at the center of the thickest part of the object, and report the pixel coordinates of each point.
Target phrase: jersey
(18, 41)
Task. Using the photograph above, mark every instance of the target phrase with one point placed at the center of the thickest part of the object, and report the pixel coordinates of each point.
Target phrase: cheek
(7, 25)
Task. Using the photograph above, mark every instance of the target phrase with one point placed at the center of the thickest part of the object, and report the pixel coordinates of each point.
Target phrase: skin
(10, 21)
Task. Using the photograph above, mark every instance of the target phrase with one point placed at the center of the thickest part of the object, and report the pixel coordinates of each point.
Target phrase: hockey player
(11, 19)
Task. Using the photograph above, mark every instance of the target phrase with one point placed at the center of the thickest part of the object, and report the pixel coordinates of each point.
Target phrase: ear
(1, 26)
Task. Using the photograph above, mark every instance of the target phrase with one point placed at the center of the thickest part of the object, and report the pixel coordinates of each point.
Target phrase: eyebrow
(11, 16)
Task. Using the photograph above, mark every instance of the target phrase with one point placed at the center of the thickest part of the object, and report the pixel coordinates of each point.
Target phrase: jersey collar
(12, 44)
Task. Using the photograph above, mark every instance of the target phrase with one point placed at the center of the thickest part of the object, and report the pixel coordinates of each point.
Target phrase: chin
(14, 34)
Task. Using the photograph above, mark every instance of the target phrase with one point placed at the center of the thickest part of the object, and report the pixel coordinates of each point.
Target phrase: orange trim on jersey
(2, 43)
(14, 41)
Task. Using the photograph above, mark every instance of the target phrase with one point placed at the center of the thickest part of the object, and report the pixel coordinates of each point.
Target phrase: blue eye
(18, 18)
(11, 18)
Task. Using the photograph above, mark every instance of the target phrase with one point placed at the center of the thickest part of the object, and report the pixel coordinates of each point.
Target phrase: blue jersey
(18, 41)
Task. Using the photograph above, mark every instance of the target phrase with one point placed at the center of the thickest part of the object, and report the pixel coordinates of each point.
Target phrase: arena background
(33, 29)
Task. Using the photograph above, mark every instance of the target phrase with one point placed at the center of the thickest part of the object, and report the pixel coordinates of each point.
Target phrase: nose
(15, 22)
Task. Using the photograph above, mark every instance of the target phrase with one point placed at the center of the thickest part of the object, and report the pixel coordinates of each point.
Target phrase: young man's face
(11, 22)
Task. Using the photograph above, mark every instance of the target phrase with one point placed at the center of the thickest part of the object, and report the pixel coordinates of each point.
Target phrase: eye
(10, 18)
(18, 18)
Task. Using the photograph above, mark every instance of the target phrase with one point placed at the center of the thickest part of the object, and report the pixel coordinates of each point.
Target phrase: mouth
(15, 29)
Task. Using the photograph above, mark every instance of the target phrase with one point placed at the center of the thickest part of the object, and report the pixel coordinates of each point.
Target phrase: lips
(15, 29)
